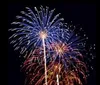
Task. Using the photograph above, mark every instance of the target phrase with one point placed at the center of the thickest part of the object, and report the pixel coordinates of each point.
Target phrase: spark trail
(57, 79)
(45, 61)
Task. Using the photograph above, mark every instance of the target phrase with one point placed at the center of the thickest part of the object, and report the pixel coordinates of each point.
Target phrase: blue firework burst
(30, 25)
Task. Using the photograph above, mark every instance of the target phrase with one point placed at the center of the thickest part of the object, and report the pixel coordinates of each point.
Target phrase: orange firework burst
(60, 48)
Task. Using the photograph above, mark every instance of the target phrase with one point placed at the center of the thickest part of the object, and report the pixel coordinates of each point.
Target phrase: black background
(83, 14)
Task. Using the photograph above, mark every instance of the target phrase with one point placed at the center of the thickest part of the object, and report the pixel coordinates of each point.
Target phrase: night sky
(82, 14)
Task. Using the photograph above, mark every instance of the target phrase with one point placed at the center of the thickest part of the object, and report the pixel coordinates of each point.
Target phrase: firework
(57, 72)
(32, 28)
(53, 50)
